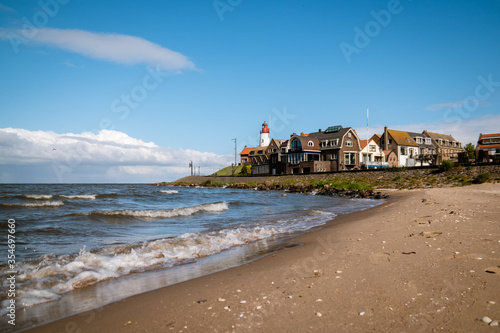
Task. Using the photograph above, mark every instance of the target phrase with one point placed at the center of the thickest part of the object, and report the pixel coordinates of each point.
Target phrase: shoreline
(338, 278)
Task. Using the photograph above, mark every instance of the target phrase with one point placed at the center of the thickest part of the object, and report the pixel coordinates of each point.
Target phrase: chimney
(319, 130)
(386, 139)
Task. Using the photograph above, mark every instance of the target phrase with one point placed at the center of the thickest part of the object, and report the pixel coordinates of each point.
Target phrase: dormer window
(310, 144)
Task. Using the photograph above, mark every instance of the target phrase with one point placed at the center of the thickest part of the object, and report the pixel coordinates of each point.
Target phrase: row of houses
(339, 148)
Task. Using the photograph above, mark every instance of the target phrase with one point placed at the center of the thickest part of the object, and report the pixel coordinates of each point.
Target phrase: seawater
(74, 241)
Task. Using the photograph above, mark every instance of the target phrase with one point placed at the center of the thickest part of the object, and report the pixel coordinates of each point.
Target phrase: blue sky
(132, 92)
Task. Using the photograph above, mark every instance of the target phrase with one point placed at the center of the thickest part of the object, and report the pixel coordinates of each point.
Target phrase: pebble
(221, 300)
(491, 302)
(319, 300)
(227, 308)
(238, 291)
(486, 320)
(259, 307)
(318, 314)
(289, 296)
(338, 272)
(494, 323)
(361, 313)
(243, 302)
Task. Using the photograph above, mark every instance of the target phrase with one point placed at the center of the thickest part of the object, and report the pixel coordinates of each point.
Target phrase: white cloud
(123, 49)
(110, 155)
(464, 130)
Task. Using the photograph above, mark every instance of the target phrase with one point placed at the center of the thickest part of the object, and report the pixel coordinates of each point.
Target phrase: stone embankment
(297, 188)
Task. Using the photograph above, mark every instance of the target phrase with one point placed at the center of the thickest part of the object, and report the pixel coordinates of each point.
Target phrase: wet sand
(427, 260)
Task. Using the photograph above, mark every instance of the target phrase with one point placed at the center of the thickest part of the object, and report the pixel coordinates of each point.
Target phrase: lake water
(81, 246)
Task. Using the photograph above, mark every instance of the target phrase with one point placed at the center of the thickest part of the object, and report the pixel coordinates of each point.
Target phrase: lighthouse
(264, 136)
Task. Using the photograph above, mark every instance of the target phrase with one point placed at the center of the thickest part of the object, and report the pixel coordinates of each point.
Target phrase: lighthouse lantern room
(265, 136)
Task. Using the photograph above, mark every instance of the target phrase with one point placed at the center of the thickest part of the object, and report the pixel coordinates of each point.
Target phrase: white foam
(36, 204)
(168, 213)
(81, 196)
(39, 196)
(88, 268)
(169, 191)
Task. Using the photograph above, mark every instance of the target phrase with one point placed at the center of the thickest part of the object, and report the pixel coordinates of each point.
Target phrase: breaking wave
(169, 191)
(82, 196)
(49, 277)
(35, 204)
(165, 213)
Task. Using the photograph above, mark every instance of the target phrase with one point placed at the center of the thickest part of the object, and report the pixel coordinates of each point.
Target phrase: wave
(165, 213)
(49, 277)
(169, 191)
(81, 196)
(39, 196)
(35, 204)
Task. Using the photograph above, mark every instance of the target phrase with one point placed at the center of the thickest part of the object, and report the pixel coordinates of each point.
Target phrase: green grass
(227, 171)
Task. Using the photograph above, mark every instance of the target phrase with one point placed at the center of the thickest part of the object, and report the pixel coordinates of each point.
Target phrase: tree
(471, 150)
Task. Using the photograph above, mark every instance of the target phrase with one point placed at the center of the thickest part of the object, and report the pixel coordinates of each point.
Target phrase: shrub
(481, 178)
(246, 170)
(446, 165)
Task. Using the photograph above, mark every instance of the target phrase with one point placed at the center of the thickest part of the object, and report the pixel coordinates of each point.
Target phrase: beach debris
(128, 323)
(259, 307)
(362, 313)
(220, 299)
(493, 270)
(202, 301)
(317, 272)
(491, 302)
(227, 308)
(337, 277)
(318, 314)
(411, 252)
(289, 296)
(494, 323)
(430, 234)
(319, 300)
(243, 302)
(338, 272)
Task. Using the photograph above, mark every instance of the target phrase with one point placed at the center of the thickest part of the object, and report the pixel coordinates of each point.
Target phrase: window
(310, 144)
(334, 156)
(403, 151)
(349, 135)
(350, 158)
(296, 145)
(372, 148)
(348, 143)
(390, 141)
(427, 141)
(418, 139)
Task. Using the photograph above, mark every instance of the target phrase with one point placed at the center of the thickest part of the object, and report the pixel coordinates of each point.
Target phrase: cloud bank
(122, 49)
(108, 156)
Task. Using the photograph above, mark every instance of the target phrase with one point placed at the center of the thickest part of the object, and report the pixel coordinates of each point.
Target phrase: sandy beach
(426, 260)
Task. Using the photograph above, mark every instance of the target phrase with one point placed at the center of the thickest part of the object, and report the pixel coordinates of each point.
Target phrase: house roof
(363, 143)
(485, 136)
(423, 136)
(488, 146)
(438, 136)
(304, 140)
(376, 138)
(402, 138)
(246, 150)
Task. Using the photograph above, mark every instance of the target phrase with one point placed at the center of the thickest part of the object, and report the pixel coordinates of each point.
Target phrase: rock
(361, 313)
(486, 320)
(318, 314)
(491, 302)
(221, 300)
(494, 323)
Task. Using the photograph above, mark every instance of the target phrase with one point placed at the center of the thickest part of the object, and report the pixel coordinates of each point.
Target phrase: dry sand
(422, 262)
